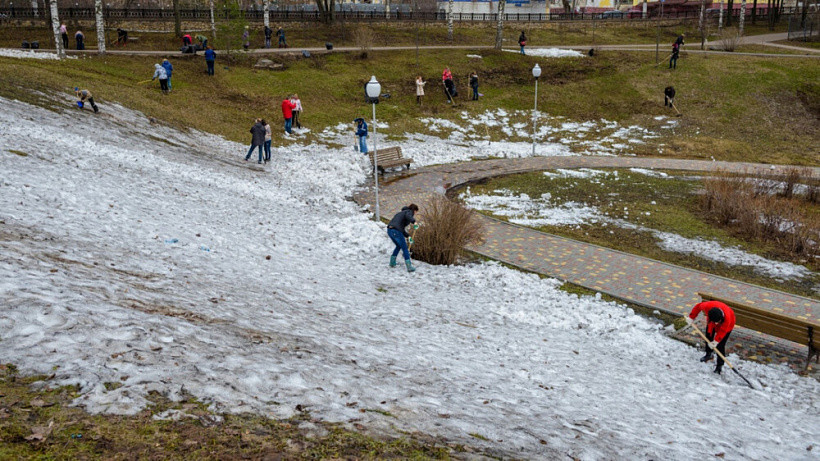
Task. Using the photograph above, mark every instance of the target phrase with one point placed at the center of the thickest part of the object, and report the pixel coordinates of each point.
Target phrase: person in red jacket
(287, 112)
(720, 325)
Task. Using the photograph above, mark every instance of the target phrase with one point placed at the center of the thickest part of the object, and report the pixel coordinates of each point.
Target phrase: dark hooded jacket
(258, 132)
(401, 220)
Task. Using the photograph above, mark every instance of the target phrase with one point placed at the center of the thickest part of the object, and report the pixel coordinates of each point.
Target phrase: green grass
(675, 209)
(78, 435)
(735, 108)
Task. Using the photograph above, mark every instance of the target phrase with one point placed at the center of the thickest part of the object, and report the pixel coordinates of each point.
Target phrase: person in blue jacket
(361, 133)
(397, 233)
(168, 70)
(210, 58)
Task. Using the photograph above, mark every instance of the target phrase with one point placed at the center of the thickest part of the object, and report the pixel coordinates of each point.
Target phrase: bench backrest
(387, 154)
(773, 323)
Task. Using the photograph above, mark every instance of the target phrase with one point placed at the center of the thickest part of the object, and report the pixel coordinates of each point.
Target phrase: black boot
(708, 357)
(718, 369)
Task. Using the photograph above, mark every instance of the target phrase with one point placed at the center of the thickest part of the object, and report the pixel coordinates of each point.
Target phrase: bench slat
(390, 157)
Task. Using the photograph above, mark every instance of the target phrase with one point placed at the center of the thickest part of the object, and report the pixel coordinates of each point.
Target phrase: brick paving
(635, 279)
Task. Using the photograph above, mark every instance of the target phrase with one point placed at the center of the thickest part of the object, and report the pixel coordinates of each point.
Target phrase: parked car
(613, 14)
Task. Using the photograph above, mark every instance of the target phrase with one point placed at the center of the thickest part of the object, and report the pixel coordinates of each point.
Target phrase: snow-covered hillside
(136, 254)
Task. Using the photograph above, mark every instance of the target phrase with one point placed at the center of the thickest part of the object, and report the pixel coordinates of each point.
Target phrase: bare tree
(213, 22)
(702, 24)
(35, 7)
(98, 13)
(177, 22)
(729, 10)
(450, 20)
(742, 18)
(326, 10)
(567, 6)
(499, 31)
(55, 26)
(265, 9)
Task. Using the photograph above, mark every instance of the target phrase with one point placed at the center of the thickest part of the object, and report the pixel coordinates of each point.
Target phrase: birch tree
(450, 20)
(499, 31)
(701, 24)
(55, 26)
(742, 18)
(265, 9)
(35, 7)
(98, 13)
(213, 22)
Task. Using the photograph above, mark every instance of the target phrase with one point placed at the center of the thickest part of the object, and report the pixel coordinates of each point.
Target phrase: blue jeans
(288, 124)
(363, 144)
(210, 67)
(522, 49)
(169, 83)
(267, 150)
(401, 244)
(475, 93)
(250, 151)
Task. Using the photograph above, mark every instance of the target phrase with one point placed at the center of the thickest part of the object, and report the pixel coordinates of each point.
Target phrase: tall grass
(768, 208)
(448, 227)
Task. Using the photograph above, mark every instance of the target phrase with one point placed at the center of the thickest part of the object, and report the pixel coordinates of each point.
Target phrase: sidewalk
(642, 281)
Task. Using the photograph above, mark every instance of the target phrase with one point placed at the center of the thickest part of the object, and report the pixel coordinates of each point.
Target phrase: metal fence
(804, 32)
(164, 14)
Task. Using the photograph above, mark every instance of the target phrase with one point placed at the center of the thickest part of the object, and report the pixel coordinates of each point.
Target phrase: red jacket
(287, 108)
(728, 318)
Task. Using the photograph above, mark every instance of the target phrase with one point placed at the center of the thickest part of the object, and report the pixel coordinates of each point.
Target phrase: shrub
(448, 227)
(364, 37)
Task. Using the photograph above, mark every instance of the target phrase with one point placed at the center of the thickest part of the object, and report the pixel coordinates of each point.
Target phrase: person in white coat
(419, 89)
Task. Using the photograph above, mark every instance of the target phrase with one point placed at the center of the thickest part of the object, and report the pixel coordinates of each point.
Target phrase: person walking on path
(79, 37)
(83, 96)
(159, 73)
(474, 85)
(64, 35)
(169, 69)
(397, 233)
(669, 96)
(210, 59)
(673, 60)
(280, 35)
(268, 138)
(522, 41)
(257, 139)
(287, 113)
(721, 322)
(361, 133)
(419, 89)
(297, 111)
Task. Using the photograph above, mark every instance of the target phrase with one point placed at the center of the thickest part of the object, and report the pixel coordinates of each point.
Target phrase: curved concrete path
(635, 279)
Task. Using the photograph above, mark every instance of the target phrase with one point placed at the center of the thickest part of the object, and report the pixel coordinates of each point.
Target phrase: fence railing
(163, 14)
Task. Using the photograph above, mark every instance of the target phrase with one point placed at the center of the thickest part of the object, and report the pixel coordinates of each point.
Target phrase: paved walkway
(636, 279)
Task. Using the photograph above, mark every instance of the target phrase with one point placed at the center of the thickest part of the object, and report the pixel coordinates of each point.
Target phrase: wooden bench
(390, 157)
(775, 324)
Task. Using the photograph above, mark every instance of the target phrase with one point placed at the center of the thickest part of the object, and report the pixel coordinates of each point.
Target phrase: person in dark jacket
(522, 41)
(668, 96)
(186, 40)
(474, 85)
(169, 69)
(85, 96)
(361, 133)
(721, 322)
(268, 35)
(258, 139)
(280, 34)
(397, 233)
(679, 40)
(122, 37)
(673, 59)
(79, 37)
(210, 59)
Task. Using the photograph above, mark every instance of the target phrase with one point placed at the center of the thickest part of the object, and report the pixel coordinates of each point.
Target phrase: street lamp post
(536, 72)
(373, 89)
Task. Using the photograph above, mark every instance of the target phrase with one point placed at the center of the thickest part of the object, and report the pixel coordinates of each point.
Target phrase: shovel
(721, 356)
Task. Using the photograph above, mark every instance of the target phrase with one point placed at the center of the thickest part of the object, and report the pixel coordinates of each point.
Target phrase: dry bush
(766, 210)
(364, 38)
(729, 40)
(448, 228)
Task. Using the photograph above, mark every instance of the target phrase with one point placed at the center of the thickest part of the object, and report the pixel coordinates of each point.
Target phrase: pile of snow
(29, 54)
(145, 262)
(551, 53)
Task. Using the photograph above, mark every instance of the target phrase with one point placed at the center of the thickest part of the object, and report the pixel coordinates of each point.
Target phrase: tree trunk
(701, 24)
(804, 13)
(450, 20)
(386, 9)
(567, 6)
(720, 20)
(98, 13)
(499, 31)
(35, 7)
(55, 26)
(754, 12)
(742, 18)
(265, 9)
(729, 12)
(213, 21)
(177, 22)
